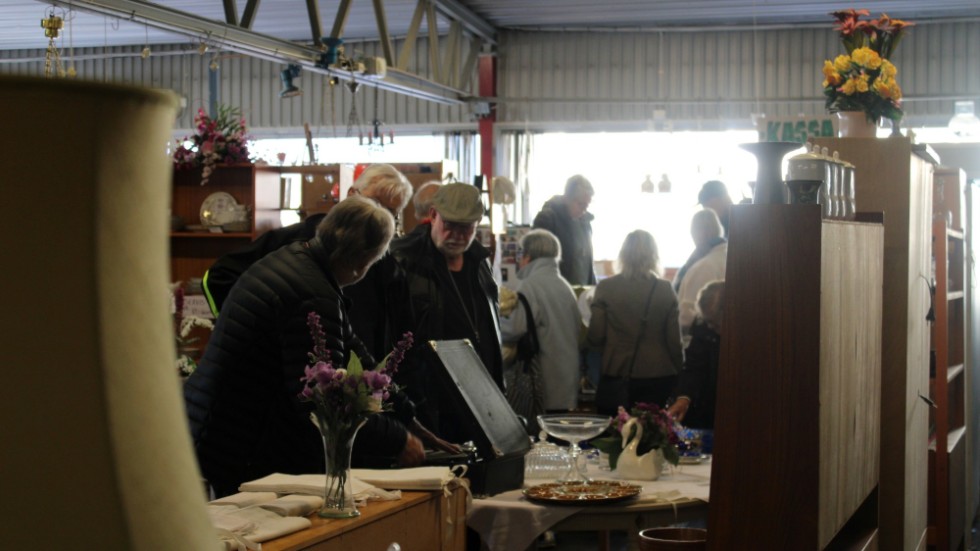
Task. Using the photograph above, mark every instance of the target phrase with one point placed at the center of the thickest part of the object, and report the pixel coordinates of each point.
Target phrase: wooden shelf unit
(892, 178)
(797, 437)
(947, 455)
(257, 187)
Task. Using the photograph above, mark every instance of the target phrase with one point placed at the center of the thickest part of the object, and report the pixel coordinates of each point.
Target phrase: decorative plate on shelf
(218, 208)
(582, 493)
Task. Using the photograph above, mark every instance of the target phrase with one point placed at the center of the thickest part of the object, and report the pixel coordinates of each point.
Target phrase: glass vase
(338, 441)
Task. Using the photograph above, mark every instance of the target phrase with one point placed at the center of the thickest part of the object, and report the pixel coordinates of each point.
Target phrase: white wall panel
(713, 79)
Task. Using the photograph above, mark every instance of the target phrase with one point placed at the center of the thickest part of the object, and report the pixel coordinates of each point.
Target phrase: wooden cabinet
(797, 419)
(192, 251)
(430, 521)
(947, 439)
(891, 178)
(318, 182)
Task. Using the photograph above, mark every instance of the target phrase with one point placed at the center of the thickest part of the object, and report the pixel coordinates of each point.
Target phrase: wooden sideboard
(797, 423)
(429, 521)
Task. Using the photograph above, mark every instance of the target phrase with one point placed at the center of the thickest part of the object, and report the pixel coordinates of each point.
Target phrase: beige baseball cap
(458, 203)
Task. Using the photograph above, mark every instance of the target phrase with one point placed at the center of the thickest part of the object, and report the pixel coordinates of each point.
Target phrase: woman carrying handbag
(639, 337)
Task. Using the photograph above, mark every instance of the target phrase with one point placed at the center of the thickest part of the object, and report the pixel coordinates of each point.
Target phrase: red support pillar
(488, 89)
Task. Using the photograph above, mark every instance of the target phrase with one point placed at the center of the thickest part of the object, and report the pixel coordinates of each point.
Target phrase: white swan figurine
(633, 467)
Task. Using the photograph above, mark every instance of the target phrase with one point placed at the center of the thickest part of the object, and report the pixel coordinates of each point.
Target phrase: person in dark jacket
(246, 420)
(566, 216)
(694, 397)
(449, 294)
(222, 275)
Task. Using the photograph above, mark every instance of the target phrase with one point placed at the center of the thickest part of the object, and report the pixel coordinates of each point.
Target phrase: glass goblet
(574, 429)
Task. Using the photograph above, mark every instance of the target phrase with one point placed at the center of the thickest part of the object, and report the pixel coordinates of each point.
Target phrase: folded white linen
(245, 499)
(415, 478)
(313, 485)
(255, 524)
(294, 505)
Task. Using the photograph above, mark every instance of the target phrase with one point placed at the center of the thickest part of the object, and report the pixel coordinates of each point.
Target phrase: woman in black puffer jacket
(246, 421)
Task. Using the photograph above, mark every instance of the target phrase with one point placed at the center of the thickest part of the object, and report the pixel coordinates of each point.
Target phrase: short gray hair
(356, 228)
(578, 185)
(383, 182)
(541, 243)
(422, 200)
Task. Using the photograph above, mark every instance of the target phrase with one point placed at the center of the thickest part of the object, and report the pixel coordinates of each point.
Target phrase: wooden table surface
(419, 520)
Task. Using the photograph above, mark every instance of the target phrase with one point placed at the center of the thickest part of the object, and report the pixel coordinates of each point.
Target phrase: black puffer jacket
(428, 306)
(246, 421)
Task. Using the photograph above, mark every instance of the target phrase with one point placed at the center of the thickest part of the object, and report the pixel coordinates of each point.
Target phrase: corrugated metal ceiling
(287, 19)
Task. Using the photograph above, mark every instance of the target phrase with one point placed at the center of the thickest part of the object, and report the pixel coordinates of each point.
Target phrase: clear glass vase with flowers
(344, 398)
(864, 80)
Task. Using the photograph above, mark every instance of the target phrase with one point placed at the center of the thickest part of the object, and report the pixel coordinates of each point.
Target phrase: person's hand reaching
(678, 409)
(431, 440)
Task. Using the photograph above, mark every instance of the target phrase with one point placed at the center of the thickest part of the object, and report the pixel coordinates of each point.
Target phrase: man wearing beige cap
(449, 294)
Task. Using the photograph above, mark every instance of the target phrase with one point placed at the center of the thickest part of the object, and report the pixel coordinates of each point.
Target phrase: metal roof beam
(472, 22)
(231, 11)
(248, 16)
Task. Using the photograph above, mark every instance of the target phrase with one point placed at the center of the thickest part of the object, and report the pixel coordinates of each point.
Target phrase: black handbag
(527, 345)
(615, 391)
(523, 379)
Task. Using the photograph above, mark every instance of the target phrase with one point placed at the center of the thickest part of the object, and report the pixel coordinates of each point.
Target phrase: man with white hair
(566, 216)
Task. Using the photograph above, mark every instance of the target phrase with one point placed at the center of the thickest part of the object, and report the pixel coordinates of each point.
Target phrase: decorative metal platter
(579, 493)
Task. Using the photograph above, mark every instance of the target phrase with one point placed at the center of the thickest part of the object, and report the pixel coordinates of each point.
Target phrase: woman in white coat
(557, 321)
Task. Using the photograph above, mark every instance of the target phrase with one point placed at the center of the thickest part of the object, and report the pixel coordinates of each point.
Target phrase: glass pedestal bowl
(574, 429)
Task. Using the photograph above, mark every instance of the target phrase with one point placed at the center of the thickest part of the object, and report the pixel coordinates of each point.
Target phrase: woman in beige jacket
(635, 324)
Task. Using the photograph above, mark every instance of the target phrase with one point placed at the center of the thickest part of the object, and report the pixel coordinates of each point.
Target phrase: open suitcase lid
(480, 403)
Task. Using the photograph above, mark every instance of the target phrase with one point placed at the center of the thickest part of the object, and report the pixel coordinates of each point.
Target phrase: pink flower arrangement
(660, 432)
(221, 139)
(346, 394)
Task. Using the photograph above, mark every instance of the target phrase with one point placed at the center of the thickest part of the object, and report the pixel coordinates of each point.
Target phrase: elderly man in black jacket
(566, 216)
(450, 294)
(246, 420)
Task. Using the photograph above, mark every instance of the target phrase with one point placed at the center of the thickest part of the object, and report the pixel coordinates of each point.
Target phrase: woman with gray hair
(245, 418)
(556, 321)
(634, 323)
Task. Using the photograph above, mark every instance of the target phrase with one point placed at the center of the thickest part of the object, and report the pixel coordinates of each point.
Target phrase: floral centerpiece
(659, 432)
(863, 79)
(344, 398)
(221, 139)
(187, 355)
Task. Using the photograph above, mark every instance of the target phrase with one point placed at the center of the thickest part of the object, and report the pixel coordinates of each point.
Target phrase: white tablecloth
(508, 521)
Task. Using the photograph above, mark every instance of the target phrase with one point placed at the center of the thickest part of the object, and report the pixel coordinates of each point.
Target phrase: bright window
(618, 164)
(405, 149)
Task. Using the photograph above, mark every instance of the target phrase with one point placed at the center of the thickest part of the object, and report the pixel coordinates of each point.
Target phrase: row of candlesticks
(818, 177)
